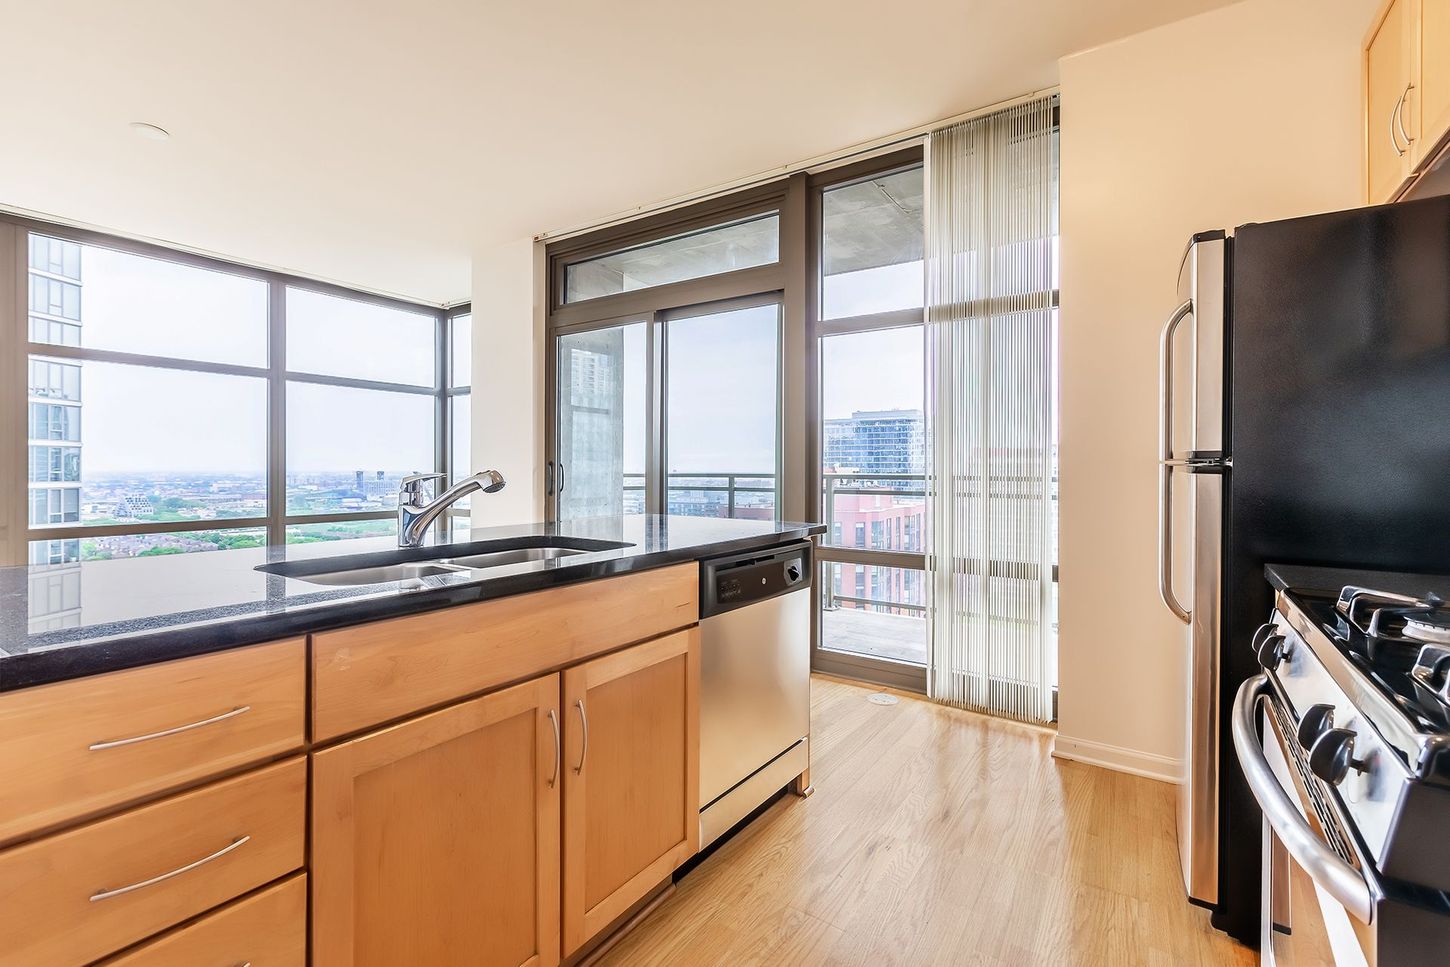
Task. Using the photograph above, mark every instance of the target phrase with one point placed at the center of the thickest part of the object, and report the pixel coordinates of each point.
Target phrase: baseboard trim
(1146, 764)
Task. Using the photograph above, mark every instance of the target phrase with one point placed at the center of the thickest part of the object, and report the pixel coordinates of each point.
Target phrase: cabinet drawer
(75, 748)
(267, 929)
(88, 892)
(384, 670)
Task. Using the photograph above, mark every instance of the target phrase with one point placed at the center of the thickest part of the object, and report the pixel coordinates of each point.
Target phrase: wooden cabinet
(1390, 127)
(436, 841)
(1406, 95)
(265, 929)
(71, 749)
(83, 894)
(367, 675)
(631, 778)
(1433, 103)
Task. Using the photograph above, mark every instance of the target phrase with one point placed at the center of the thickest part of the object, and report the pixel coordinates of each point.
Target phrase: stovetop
(1374, 641)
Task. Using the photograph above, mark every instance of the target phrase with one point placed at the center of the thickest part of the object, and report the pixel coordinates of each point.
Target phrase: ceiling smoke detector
(151, 132)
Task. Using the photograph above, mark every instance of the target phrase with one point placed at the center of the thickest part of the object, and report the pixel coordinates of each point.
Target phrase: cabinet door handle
(118, 891)
(558, 754)
(584, 723)
(1394, 119)
(165, 732)
(1400, 118)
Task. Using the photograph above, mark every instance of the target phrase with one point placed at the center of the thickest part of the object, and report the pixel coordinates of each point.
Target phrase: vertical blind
(990, 334)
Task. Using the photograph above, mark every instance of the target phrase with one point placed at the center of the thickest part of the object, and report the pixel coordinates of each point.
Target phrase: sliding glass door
(722, 410)
(678, 413)
(601, 421)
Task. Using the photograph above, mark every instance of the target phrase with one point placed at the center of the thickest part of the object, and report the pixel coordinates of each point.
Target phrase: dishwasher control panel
(731, 582)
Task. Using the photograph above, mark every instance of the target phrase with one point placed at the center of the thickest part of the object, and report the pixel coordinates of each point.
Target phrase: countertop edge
(134, 650)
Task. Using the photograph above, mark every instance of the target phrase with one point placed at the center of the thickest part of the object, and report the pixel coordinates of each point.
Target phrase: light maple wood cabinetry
(436, 841)
(1389, 72)
(74, 748)
(376, 672)
(1406, 95)
(631, 783)
(83, 894)
(266, 929)
(1434, 101)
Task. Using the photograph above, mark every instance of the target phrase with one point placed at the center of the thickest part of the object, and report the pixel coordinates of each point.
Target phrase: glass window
(112, 547)
(355, 464)
(722, 413)
(459, 458)
(136, 304)
(159, 445)
(873, 450)
(601, 421)
(723, 248)
(462, 338)
(872, 244)
(342, 530)
(884, 617)
(332, 336)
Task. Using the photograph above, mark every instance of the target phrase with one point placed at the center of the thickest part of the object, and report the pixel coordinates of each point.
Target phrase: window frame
(884, 671)
(17, 348)
(780, 282)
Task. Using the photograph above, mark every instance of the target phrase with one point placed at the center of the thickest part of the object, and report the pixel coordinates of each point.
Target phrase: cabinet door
(631, 777)
(436, 841)
(1434, 90)
(1388, 120)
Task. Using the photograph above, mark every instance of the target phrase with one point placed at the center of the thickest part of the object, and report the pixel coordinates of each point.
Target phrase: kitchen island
(495, 765)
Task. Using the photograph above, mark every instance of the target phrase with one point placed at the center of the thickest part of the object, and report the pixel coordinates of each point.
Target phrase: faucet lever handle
(412, 486)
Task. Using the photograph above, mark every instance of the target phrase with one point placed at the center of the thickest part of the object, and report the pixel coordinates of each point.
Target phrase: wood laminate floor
(937, 836)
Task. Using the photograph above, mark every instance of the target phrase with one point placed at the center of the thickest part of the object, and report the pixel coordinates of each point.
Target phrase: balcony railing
(723, 494)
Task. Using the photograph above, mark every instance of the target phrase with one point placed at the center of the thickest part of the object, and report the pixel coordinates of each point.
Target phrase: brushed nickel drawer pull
(107, 894)
(558, 753)
(165, 732)
(584, 723)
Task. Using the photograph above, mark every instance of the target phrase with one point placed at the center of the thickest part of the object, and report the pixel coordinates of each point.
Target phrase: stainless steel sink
(381, 575)
(412, 565)
(500, 558)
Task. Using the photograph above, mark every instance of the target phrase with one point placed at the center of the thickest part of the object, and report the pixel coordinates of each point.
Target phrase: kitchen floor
(937, 836)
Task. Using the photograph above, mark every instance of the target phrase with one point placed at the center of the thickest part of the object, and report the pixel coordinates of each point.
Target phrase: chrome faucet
(414, 515)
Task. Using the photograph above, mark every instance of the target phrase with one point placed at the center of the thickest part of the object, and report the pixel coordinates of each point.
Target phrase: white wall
(1246, 113)
(507, 380)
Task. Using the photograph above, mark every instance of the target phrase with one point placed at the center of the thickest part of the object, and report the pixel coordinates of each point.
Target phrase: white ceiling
(381, 143)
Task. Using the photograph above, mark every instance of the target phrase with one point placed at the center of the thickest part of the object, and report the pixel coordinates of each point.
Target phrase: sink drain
(882, 698)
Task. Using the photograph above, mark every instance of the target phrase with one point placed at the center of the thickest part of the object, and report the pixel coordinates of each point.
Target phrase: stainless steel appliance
(1344, 739)
(1304, 373)
(755, 665)
(1191, 465)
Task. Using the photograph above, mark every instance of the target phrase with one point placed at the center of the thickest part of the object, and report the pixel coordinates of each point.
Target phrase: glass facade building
(54, 396)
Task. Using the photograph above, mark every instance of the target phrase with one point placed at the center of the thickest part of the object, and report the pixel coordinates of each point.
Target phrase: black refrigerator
(1305, 393)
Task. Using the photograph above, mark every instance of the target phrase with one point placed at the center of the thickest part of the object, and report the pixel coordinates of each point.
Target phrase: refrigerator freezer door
(1199, 351)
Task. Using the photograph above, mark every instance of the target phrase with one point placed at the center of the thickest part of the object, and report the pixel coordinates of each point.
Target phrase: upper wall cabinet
(1406, 94)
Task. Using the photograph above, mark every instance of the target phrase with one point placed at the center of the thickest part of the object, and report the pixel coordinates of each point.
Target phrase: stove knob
(1332, 756)
(1317, 719)
(1273, 650)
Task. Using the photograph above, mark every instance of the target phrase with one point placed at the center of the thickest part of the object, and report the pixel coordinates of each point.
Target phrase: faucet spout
(415, 516)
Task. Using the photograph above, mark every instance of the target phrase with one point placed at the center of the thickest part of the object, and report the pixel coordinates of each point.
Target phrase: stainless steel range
(1344, 740)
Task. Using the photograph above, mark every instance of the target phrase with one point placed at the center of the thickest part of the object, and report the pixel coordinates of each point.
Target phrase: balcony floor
(861, 632)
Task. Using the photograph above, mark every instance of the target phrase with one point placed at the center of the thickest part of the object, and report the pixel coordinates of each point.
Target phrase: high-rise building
(876, 441)
(54, 400)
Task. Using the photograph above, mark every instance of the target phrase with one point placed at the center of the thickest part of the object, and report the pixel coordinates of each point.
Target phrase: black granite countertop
(64, 621)
(1329, 581)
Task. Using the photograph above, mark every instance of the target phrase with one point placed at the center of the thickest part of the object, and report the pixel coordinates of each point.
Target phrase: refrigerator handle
(1165, 463)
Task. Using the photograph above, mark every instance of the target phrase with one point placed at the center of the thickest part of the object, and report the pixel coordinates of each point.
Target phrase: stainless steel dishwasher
(755, 689)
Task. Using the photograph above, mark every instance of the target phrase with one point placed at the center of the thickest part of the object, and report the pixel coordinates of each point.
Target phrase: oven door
(1318, 905)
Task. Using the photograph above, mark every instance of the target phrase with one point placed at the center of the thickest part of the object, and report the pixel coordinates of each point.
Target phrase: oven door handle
(1340, 880)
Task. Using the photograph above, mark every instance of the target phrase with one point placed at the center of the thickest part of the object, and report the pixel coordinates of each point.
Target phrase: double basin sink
(411, 565)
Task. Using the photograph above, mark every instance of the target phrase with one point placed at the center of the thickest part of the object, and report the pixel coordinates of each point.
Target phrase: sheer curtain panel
(991, 323)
